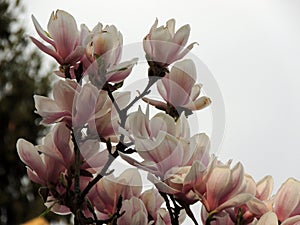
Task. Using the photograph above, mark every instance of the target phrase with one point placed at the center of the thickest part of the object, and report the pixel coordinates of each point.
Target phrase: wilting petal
(199, 104)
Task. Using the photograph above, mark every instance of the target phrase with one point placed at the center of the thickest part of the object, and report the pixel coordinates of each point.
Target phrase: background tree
(20, 77)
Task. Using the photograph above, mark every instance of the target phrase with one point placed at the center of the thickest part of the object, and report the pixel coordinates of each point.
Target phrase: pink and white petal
(51, 153)
(64, 92)
(195, 176)
(184, 73)
(163, 122)
(182, 127)
(75, 56)
(195, 92)
(85, 104)
(41, 32)
(59, 73)
(61, 139)
(287, 199)
(117, 73)
(30, 156)
(97, 161)
(150, 167)
(163, 88)
(185, 51)
(170, 25)
(161, 186)
(138, 123)
(216, 191)
(295, 220)
(158, 104)
(55, 117)
(264, 188)
(44, 104)
(55, 207)
(199, 149)
(63, 30)
(47, 50)
(182, 34)
(235, 201)
(257, 207)
(268, 218)
(34, 177)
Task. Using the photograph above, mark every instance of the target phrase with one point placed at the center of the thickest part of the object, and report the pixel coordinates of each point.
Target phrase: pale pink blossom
(63, 37)
(224, 187)
(164, 46)
(106, 121)
(107, 43)
(135, 212)
(73, 104)
(262, 201)
(164, 143)
(41, 168)
(153, 201)
(104, 50)
(181, 181)
(287, 200)
(178, 88)
(107, 192)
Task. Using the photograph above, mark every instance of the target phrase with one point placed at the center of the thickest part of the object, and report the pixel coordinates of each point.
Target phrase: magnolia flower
(287, 200)
(107, 192)
(163, 143)
(104, 50)
(223, 188)
(135, 212)
(106, 43)
(164, 46)
(153, 202)
(72, 103)
(262, 202)
(106, 121)
(63, 36)
(180, 181)
(47, 161)
(178, 88)
(42, 168)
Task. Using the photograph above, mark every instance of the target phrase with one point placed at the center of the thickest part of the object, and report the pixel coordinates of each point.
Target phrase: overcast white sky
(251, 47)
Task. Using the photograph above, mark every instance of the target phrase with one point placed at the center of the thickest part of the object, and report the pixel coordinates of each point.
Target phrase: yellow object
(37, 221)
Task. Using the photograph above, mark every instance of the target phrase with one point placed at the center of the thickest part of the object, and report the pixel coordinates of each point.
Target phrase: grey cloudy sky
(252, 48)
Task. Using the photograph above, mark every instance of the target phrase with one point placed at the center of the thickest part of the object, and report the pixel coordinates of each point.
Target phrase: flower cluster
(94, 123)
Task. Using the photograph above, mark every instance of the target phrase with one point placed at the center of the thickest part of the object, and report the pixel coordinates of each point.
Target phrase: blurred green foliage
(21, 76)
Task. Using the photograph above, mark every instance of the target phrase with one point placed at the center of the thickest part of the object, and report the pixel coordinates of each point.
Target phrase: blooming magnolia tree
(94, 123)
